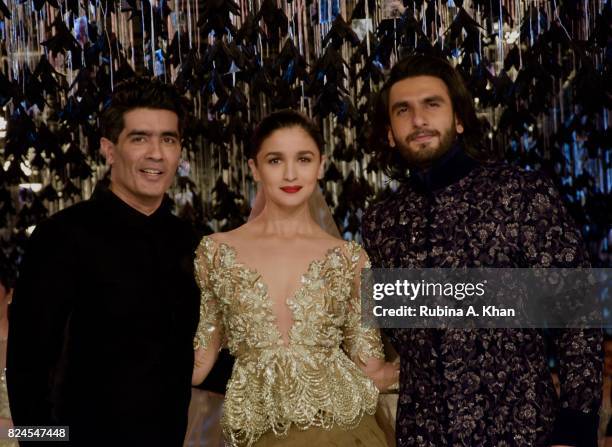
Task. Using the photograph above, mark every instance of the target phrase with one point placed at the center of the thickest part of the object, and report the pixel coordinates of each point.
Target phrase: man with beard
(487, 387)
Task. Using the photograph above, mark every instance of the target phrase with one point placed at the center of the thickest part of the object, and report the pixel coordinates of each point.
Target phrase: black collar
(120, 211)
(448, 169)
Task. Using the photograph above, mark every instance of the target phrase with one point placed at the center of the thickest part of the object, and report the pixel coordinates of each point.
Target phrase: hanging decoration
(540, 73)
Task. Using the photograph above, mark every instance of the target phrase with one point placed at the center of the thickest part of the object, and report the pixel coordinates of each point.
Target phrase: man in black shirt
(106, 306)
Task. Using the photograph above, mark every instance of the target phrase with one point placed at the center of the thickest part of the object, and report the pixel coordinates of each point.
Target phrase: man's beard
(426, 153)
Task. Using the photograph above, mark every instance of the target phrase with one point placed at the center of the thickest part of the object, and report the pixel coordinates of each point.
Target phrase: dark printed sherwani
(487, 387)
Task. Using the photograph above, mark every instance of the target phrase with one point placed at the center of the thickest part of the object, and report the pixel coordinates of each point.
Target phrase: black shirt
(102, 324)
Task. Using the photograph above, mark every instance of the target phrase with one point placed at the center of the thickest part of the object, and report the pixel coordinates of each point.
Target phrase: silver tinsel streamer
(135, 35)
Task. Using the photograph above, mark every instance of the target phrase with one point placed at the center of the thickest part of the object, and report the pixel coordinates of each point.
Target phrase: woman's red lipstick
(291, 189)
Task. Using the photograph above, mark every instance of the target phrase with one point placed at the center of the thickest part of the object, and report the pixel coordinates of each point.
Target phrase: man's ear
(322, 167)
(390, 137)
(254, 171)
(107, 149)
(458, 126)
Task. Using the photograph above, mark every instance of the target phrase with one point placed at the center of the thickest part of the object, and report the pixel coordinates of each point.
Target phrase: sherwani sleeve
(550, 239)
(40, 311)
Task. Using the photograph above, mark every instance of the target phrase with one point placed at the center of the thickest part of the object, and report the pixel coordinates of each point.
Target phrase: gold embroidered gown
(311, 382)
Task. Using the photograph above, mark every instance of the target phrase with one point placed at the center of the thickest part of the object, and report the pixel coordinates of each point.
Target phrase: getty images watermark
(487, 298)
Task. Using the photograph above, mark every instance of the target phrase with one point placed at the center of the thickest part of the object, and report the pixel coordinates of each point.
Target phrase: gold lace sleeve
(359, 342)
(211, 323)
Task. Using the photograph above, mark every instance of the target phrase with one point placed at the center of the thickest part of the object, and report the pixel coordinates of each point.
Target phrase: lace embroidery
(309, 382)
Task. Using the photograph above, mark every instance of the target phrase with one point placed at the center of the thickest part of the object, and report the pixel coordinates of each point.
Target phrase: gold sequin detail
(310, 382)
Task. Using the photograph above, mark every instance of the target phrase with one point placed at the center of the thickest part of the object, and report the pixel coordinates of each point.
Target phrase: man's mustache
(421, 133)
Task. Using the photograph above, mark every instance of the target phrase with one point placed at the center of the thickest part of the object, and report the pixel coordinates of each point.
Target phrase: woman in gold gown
(283, 295)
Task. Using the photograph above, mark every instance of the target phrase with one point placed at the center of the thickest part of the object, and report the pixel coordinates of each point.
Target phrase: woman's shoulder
(352, 250)
(356, 252)
(215, 248)
(221, 238)
(207, 242)
(325, 242)
(210, 245)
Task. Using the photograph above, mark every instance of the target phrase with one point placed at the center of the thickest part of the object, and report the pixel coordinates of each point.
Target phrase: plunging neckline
(268, 299)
